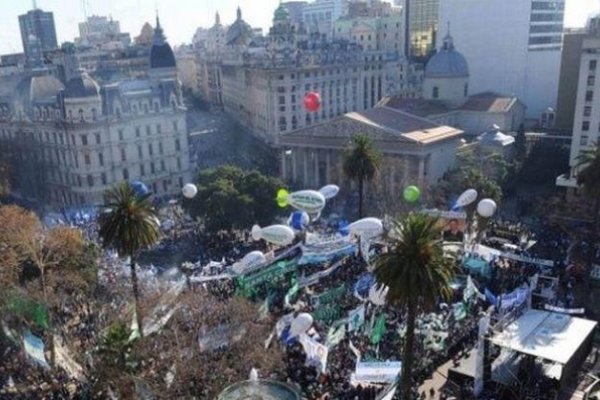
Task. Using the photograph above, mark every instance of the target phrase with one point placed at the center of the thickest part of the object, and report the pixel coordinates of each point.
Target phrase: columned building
(69, 142)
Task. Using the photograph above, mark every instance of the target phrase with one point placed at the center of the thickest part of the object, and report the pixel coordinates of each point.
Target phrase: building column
(421, 177)
(305, 167)
(283, 172)
(328, 166)
(294, 169)
(405, 176)
(316, 174)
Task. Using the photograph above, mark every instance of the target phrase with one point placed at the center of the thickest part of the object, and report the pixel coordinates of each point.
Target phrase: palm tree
(129, 224)
(417, 275)
(361, 163)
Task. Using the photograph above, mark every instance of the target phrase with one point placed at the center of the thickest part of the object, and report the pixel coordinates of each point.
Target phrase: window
(94, 114)
(152, 169)
(97, 138)
(79, 180)
(466, 93)
(142, 170)
(81, 119)
(137, 131)
(585, 126)
(156, 107)
(178, 164)
(591, 80)
(158, 128)
(123, 155)
(165, 185)
(589, 95)
(150, 149)
(148, 130)
(180, 181)
(177, 145)
(86, 158)
(436, 92)
(83, 140)
(103, 177)
(281, 100)
(587, 111)
(160, 148)
(162, 165)
(125, 174)
(140, 153)
(121, 134)
(90, 180)
(592, 65)
(101, 159)
(145, 108)
(175, 126)
(583, 141)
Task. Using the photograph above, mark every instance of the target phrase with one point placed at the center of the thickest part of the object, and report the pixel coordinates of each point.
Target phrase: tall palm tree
(417, 275)
(361, 163)
(129, 224)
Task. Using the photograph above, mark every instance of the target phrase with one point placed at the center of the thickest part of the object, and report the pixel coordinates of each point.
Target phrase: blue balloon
(140, 189)
(299, 220)
(343, 227)
(363, 284)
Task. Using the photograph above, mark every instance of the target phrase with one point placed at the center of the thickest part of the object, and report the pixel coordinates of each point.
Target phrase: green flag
(378, 330)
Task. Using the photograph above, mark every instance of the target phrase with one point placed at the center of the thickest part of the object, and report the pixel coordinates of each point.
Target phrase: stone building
(263, 84)
(69, 142)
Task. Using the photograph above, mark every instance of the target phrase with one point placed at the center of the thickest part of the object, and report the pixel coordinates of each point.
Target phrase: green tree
(417, 275)
(129, 224)
(361, 163)
(230, 198)
(520, 143)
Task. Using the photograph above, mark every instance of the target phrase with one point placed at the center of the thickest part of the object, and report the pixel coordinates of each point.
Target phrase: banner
(290, 294)
(316, 353)
(525, 259)
(378, 330)
(354, 350)
(322, 251)
(570, 311)
(491, 297)
(334, 336)
(452, 223)
(34, 347)
(388, 393)
(471, 291)
(356, 318)
(330, 296)
(484, 324)
(514, 298)
(377, 372)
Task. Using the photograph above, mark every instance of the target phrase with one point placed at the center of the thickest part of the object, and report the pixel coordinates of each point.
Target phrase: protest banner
(377, 371)
(34, 347)
(356, 318)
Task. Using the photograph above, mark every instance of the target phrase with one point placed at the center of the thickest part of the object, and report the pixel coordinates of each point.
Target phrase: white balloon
(367, 228)
(486, 208)
(329, 191)
(310, 201)
(378, 293)
(301, 324)
(250, 260)
(189, 190)
(277, 234)
(466, 198)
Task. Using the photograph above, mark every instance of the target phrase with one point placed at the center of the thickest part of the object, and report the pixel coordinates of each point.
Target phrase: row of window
(548, 17)
(545, 40)
(548, 5)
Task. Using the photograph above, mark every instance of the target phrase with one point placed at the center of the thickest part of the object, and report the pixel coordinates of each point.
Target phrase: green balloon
(412, 194)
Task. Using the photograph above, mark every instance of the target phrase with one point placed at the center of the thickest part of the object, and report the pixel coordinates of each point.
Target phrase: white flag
(355, 351)
(316, 353)
(356, 318)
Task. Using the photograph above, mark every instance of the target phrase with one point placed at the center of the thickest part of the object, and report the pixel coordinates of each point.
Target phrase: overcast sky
(180, 18)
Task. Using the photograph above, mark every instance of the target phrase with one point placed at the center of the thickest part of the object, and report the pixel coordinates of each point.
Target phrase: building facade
(40, 24)
(263, 86)
(320, 15)
(586, 125)
(513, 47)
(101, 31)
(421, 23)
(69, 142)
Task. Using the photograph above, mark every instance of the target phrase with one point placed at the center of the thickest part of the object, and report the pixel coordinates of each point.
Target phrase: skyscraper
(40, 24)
(421, 26)
(513, 47)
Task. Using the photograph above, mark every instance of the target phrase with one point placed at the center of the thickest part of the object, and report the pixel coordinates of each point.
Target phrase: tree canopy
(230, 198)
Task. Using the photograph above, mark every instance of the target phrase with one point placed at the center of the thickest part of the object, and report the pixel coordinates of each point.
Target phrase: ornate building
(262, 81)
(70, 142)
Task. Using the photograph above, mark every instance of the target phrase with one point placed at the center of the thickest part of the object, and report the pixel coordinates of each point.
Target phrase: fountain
(259, 389)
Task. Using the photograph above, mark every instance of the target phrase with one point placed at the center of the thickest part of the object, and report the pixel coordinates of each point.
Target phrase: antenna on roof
(34, 4)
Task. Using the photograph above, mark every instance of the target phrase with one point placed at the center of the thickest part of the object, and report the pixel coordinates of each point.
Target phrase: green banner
(327, 314)
(330, 296)
(378, 330)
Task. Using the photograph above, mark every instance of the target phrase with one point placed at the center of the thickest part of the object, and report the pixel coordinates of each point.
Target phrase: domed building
(240, 32)
(83, 136)
(446, 99)
(446, 78)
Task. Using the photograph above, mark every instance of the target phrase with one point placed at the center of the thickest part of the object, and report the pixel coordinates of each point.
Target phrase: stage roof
(548, 335)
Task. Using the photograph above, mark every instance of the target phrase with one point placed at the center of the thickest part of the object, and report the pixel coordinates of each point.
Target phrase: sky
(179, 18)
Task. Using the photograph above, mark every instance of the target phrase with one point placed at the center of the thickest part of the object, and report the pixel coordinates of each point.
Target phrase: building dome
(281, 13)
(82, 86)
(447, 62)
(45, 87)
(239, 31)
(161, 53)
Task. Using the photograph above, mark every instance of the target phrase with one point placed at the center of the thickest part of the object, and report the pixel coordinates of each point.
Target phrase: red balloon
(312, 101)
